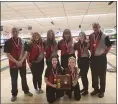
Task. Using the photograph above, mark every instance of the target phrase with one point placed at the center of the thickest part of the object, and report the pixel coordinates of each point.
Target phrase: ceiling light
(29, 27)
(52, 22)
(79, 26)
(20, 29)
(58, 17)
(41, 19)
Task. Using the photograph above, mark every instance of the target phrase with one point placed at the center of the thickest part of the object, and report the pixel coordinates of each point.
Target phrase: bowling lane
(111, 57)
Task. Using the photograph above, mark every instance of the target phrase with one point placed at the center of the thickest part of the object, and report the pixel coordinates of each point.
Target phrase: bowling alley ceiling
(42, 16)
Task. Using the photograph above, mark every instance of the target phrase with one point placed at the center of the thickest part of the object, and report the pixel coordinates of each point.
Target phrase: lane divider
(4, 68)
(112, 53)
(4, 59)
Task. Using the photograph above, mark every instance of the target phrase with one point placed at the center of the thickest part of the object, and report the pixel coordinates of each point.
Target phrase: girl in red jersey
(66, 45)
(36, 60)
(73, 71)
(83, 60)
(50, 46)
(52, 70)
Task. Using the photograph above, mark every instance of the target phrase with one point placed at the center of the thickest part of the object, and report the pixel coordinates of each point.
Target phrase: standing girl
(50, 46)
(54, 69)
(83, 60)
(36, 60)
(66, 45)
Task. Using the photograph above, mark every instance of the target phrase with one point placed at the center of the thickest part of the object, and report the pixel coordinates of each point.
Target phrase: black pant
(37, 70)
(83, 64)
(76, 90)
(52, 94)
(48, 62)
(64, 60)
(98, 68)
(14, 77)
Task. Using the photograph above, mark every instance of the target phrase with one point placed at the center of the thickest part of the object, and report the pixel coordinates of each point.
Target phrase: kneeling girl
(54, 69)
(74, 72)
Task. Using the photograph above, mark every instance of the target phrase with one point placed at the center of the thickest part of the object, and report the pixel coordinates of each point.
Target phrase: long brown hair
(59, 68)
(67, 31)
(83, 34)
(40, 39)
(53, 41)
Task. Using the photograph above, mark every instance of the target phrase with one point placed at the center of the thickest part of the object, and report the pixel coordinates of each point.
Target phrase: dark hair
(67, 31)
(55, 56)
(58, 63)
(48, 32)
(53, 41)
(84, 43)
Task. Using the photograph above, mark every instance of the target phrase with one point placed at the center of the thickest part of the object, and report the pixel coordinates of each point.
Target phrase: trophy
(63, 82)
(58, 83)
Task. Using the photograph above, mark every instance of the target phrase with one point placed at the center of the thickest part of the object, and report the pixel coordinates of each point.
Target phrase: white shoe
(41, 91)
(37, 91)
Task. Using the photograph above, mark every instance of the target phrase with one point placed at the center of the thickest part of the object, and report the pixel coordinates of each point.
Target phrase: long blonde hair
(73, 58)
